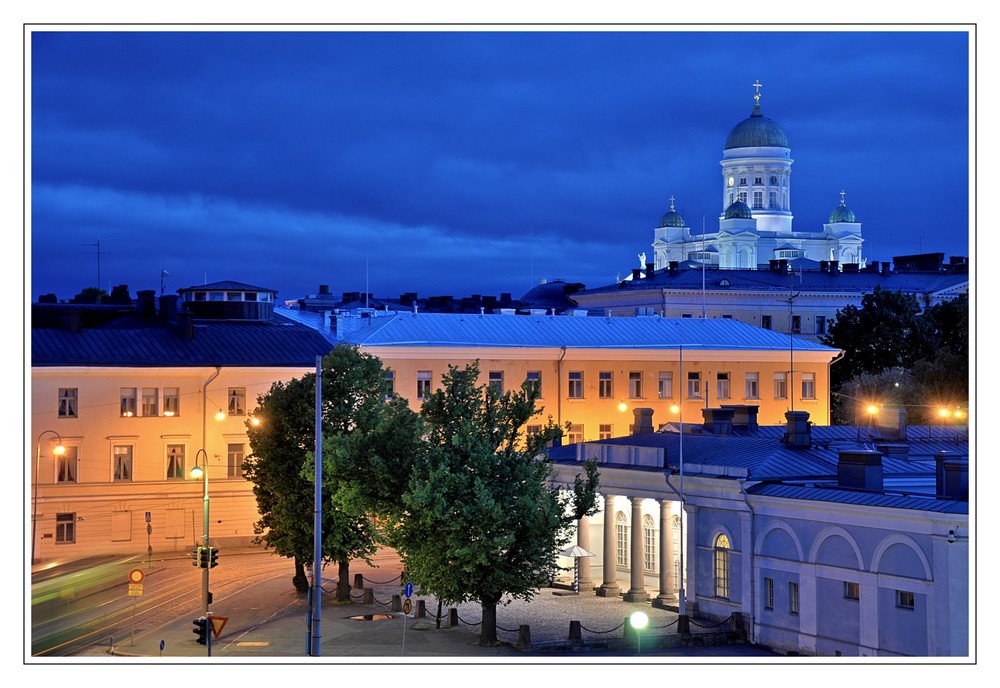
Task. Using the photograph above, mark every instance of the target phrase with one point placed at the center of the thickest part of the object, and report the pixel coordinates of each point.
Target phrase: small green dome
(842, 213)
(738, 210)
(672, 218)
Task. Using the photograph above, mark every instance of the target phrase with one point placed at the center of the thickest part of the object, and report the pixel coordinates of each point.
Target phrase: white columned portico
(637, 590)
(609, 588)
(689, 580)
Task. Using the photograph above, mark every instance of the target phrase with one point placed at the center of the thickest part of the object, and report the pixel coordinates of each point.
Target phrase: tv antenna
(99, 253)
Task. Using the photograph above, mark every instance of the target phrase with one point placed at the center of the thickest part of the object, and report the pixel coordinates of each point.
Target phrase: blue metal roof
(277, 343)
(840, 495)
(806, 281)
(575, 332)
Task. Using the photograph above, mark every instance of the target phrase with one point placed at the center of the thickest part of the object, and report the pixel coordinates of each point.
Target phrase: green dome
(738, 210)
(756, 131)
(672, 217)
(842, 213)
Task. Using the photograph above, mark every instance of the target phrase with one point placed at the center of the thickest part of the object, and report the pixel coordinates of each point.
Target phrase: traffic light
(197, 557)
(201, 628)
(213, 554)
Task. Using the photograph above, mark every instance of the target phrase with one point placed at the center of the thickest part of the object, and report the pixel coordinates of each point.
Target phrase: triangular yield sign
(217, 623)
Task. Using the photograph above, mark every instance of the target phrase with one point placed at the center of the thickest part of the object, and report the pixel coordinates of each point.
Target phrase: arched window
(648, 544)
(722, 566)
(621, 539)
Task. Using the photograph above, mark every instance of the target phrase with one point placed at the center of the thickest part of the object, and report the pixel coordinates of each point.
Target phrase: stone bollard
(421, 609)
(368, 596)
(684, 624)
(575, 634)
(396, 605)
(452, 618)
(524, 637)
(359, 581)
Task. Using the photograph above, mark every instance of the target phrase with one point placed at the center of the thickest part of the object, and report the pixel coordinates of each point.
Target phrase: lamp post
(202, 472)
(58, 450)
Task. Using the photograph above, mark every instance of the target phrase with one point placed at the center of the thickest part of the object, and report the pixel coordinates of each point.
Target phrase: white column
(583, 563)
(609, 588)
(666, 559)
(637, 591)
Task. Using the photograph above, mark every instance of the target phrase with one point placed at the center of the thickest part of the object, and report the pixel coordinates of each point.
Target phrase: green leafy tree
(896, 354)
(481, 522)
(354, 417)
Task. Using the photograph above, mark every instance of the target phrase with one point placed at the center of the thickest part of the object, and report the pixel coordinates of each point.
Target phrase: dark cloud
(468, 161)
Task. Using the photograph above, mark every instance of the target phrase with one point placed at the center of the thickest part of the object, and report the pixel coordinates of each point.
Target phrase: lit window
(234, 461)
(605, 431)
(575, 385)
(575, 434)
(65, 529)
(496, 380)
(605, 384)
(237, 401)
(621, 539)
(175, 462)
(808, 385)
(533, 429)
(128, 402)
(694, 385)
(67, 402)
(722, 566)
(666, 384)
(752, 389)
(793, 598)
(904, 599)
(722, 385)
(648, 544)
(852, 591)
(150, 401)
(123, 462)
(423, 384)
(769, 593)
(635, 385)
(780, 386)
(66, 468)
(171, 401)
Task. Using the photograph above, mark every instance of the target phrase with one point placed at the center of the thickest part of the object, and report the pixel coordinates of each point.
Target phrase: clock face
(731, 181)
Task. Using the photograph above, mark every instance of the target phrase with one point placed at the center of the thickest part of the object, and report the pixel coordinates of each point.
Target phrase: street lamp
(202, 472)
(58, 450)
(638, 621)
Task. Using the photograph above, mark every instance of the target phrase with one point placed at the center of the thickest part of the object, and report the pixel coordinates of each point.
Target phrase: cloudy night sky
(471, 161)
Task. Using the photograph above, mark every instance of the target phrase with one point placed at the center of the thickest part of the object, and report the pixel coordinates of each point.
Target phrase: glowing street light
(638, 621)
(58, 450)
(202, 472)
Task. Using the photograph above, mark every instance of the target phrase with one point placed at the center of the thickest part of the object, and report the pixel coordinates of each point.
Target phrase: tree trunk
(343, 581)
(299, 580)
(488, 633)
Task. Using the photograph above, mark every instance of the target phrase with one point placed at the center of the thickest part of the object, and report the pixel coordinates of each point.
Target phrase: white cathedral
(755, 226)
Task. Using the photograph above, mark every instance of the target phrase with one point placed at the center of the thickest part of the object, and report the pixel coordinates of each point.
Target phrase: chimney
(797, 433)
(952, 476)
(834, 269)
(824, 266)
(874, 266)
(672, 267)
(324, 290)
(894, 451)
(643, 424)
(718, 421)
(636, 274)
(744, 416)
(185, 325)
(168, 308)
(886, 268)
(147, 303)
(860, 469)
(650, 269)
(891, 422)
